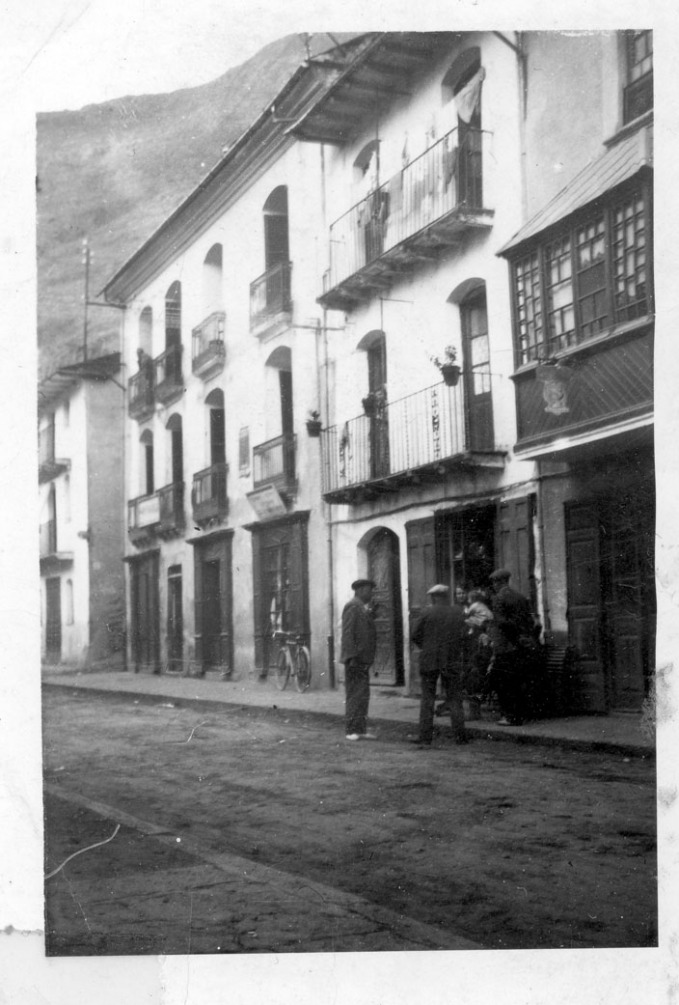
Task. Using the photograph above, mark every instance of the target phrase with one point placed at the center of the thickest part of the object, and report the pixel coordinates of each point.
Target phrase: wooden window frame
(638, 90)
(614, 316)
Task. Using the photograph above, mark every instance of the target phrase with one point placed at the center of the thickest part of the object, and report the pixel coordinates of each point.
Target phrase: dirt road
(508, 846)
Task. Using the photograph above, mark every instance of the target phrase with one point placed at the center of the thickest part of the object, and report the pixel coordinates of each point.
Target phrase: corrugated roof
(617, 165)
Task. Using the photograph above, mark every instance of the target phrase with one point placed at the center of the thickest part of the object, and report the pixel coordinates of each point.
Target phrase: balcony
(168, 375)
(49, 465)
(140, 399)
(422, 211)
(411, 441)
(274, 464)
(143, 518)
(208, 497)
(270, 303)
(601, 388)
(171, 510)
(207, 346)
(50, 557)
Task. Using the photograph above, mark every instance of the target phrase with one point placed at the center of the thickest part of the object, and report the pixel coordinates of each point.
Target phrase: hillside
(114, 171)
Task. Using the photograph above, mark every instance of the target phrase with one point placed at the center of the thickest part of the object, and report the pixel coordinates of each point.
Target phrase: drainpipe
(547, 624)
(326, 505)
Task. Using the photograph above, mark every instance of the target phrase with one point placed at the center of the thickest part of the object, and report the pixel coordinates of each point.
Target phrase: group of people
(490, 643)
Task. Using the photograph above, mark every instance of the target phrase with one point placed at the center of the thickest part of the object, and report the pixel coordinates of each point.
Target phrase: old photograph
(347, 500)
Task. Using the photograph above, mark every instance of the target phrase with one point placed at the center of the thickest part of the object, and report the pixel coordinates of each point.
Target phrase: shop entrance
(384, 568)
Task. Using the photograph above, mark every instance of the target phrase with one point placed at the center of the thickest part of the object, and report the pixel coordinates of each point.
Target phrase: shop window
(638, 94)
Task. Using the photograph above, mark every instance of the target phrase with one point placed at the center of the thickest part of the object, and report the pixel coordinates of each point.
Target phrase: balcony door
(379, 419)
(476, 368)
(465, 77)
(173, 332)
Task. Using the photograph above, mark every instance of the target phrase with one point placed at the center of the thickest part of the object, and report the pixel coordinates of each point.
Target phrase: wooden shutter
(421, 543)
(516, 546)
(584, 603)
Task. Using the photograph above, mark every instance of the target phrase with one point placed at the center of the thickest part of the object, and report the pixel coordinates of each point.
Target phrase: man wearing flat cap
(511, 628)
(359, 641)
(439, 634)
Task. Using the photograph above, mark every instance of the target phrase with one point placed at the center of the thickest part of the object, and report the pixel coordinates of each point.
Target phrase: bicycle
(293, 661)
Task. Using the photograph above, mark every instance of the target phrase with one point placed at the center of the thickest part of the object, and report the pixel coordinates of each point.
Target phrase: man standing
(512, 623)
(359, 640)
(439, 634)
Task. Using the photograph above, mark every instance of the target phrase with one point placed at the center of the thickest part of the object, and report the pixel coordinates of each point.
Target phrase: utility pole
(86, 263)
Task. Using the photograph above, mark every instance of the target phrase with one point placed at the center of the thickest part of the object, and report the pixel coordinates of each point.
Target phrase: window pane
(591, 281)
(529, 308)
(629, 259)
(560, 314)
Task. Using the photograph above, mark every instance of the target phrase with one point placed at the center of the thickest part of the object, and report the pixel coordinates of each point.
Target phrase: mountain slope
(113, 172)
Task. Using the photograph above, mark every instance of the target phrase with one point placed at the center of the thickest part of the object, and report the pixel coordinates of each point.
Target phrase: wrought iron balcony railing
(140, 391)
(169, 381)
(208, 496)
(436, 196)
(207, 345)
(420, 432)
(274, 462)
(270, 294)
(143, 516)
(171, 509)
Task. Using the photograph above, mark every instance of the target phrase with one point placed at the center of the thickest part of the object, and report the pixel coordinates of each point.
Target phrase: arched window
(279, 365)
(216, 426)
(146, 465)
(470, 296)
(174, 427)
(173, 315)
(462, 85)
(375, 404)
(212, 281)
(146, 331)
(69, 618)
(276, 245)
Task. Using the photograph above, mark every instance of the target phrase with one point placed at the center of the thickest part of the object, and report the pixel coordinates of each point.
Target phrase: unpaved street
(504, 845)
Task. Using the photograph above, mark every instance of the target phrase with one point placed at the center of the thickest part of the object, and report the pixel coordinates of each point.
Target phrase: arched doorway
(384, 567)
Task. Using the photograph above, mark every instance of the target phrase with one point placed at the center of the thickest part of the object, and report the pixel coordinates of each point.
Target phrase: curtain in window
(467, 98)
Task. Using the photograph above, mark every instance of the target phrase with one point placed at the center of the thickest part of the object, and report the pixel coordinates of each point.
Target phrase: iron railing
(207, 340)
(447, 176)
(270, 293)
(140, 390)
(171, 506)
(48, 538)
(406, 434)
(143, 513)
(208, 496)
(274, 461)
(168, 372)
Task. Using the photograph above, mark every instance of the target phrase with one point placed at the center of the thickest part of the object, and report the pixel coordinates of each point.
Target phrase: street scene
(347, 501)
(256, 828)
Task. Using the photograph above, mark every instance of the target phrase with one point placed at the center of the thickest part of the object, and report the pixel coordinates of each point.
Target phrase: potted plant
(313, 424)
(373, 403)
(450, 371)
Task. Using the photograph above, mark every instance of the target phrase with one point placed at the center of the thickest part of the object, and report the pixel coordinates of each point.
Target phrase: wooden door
(422, 573)
(145, 614)
(476, 367)
(280, 564)
(584, 602)
(384, 569)
(175, 620)
(212, 613)
(516, 545)
(627, 550)
(53, 620)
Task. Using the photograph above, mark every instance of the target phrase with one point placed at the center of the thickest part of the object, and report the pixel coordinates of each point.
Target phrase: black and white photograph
(345, 656)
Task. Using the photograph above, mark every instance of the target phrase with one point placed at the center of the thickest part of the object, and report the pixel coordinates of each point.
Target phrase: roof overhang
(386, 67)
(66, 379)
(619, 164)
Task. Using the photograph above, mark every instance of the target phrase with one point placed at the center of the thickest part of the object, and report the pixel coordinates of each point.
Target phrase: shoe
(353, 736)
(367, 736)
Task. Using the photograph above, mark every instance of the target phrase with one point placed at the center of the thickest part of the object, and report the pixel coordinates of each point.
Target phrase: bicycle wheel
(303, 668)
(282, 670)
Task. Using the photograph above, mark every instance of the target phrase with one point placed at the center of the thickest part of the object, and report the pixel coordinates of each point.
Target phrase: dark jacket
(512, 620)
(359, 637)
(439, 633)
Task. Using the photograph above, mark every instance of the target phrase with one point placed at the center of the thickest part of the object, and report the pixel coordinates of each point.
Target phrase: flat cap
(500, 574)
(438, 588)
(358, 583)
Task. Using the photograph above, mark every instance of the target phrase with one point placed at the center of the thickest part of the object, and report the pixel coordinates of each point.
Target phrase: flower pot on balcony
(313, 427)
(450, 373)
